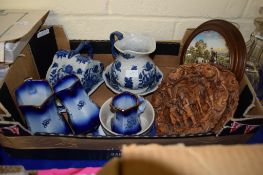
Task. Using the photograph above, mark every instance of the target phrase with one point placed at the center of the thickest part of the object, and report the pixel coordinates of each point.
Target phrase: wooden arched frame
(234, 41)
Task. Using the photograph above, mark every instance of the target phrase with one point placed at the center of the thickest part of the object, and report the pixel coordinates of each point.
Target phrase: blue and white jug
(133, 70)
(36, 100)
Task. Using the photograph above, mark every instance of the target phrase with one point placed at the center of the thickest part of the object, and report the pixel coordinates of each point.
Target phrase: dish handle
(81, 46)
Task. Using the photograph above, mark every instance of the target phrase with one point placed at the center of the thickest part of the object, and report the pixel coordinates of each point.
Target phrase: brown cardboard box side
(165, 62)
(181, 160)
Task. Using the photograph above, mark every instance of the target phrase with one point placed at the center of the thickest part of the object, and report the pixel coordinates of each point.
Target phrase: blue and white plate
(115, 87)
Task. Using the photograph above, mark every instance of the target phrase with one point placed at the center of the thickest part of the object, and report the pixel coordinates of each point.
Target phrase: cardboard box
(35, 62)
(16, 29)
(182, 160)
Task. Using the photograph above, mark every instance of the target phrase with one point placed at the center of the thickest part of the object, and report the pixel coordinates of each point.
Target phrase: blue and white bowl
(111, 82)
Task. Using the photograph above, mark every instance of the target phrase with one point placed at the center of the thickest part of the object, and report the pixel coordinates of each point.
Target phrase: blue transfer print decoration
(55, 65)
(128, 82)
(81, 104)
(117, 65)
(68, 69)
(46, 122)
(53, 76)
(61, 53)
(127, 55)
(96, 69)
(79, 71)
(82, 59)
(89, 71)
(113, 80)
(147, 76)
(148, 66)
(91, 77)
(134, 67)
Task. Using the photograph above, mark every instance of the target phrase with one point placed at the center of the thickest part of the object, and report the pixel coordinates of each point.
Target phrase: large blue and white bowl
(112, 81)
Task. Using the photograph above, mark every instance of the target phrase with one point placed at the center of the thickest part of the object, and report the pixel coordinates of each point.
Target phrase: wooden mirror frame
(234, 41)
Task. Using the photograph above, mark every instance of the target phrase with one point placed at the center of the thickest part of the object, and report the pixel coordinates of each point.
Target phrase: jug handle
(142, 105)
(81, 46)
(115, 36)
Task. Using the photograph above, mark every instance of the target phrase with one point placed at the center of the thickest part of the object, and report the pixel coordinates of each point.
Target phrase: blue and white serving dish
(112, 83)
(36, 100)
(146, 119)
(89, 71)
(132, 70)
(83, 112)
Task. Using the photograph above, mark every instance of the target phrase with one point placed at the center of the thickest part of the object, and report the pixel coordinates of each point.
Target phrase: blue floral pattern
(90, 74)
(68, 69)
(82, 59)
(111, 79)
(81, 104)
(92, 77)
(127, 55)
(79, 71)
(134, 67)
(147, 76)
(128, 82)
(62, 53)
(117, 65)
(55, 65)
(46, 122)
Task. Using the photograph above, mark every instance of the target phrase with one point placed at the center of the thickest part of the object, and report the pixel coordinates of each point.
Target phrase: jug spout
(128, 45)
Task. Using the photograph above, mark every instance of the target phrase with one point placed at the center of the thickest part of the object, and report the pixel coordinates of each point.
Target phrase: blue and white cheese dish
(89, 71)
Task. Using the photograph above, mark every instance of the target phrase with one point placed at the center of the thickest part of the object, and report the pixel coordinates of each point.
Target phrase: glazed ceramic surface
(89, 71)
(36, 101)
(132, 69)
(146, 119)
(126, 108)
(83, 113)
(112, 83)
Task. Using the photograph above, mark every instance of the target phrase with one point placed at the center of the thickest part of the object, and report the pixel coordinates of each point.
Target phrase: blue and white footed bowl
(36, 100)
(111, 82)
(83, 113)
(89, 71)
(132, 70)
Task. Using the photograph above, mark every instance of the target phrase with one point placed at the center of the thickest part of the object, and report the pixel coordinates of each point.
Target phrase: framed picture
(216, 42)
